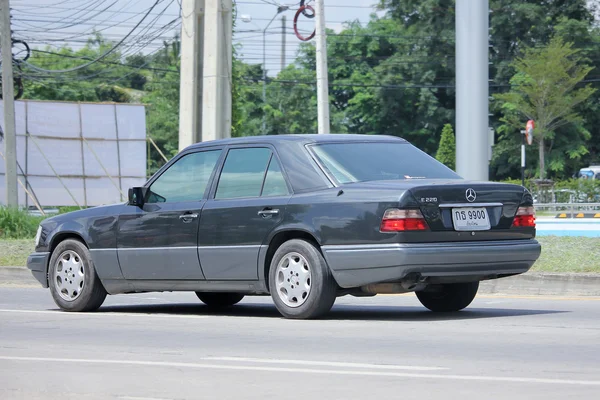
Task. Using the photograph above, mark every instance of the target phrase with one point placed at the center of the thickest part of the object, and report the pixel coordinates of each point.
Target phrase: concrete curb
(530, 284)
(544, 283)
(17, 276)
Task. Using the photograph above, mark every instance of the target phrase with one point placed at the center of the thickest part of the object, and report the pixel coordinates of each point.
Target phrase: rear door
(159, 241)
(248, 202)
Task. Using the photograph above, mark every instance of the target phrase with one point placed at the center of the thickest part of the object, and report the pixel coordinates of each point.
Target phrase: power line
(103, 61)
(100, 57)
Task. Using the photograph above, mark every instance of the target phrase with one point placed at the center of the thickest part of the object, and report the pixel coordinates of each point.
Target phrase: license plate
(470, 219)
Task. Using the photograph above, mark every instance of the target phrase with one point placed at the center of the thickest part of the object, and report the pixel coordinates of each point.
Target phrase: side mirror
(137, 196)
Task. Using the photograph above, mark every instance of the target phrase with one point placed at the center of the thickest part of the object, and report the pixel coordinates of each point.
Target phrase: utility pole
(227, 67)
(472, 89)
(216, 82)
(10, 138)
(283, 42)
(190, 91)
(280, 9)
(263, 129)
(206, 63)
(322, 78)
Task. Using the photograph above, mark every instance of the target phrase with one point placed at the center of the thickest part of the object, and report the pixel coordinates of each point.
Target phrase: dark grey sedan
(304, 218)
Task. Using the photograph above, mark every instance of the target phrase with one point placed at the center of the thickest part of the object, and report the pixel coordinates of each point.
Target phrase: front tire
(300, 281)
(220, 300)
(449, 297)
(72, 278)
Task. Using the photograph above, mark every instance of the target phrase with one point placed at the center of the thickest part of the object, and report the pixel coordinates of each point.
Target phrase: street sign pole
(523, 132)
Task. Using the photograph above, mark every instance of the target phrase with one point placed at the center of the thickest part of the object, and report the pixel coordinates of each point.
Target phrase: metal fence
(571, 209)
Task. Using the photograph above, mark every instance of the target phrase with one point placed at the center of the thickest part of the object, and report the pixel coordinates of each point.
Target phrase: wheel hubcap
(293, 279)
(69, 275)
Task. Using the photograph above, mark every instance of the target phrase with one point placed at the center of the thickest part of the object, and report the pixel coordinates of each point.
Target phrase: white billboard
(77, 153)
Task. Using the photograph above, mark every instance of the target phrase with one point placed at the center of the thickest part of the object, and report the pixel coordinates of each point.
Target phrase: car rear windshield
(373, 161)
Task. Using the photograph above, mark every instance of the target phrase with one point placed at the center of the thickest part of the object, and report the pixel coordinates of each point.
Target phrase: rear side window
(274, 181)
(374, 161)
(243, 173)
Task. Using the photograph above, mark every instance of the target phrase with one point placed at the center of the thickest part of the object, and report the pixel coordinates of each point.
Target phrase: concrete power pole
(216, 84)
(472, 90)
(322, 78)
(283, 20)
(190, 92)
(206, 63)
(10, 138)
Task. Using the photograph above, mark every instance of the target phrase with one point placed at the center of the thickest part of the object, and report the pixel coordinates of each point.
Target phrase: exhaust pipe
(408, 285)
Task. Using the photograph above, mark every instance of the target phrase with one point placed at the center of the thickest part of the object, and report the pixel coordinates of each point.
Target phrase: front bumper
(38, 264)
(358, 265)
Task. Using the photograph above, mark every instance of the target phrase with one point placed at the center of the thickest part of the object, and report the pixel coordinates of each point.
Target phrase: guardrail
(571, 210)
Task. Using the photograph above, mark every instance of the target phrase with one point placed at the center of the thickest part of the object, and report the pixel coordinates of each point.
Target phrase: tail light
(395, 220)
(525, 217)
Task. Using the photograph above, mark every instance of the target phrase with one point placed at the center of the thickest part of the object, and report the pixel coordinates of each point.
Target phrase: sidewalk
(531, 283)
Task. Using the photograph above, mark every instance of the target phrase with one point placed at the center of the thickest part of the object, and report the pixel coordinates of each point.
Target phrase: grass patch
(17, 224)
(14, 252)
(559, 254)
(568, 254)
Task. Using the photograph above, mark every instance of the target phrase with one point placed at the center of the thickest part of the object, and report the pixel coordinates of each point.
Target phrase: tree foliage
(393, 75)
(545, 89)
(446, 153)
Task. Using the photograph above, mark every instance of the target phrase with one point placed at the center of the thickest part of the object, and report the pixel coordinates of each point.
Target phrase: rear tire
(72, 278)
(300, 281)
(220, 300)
(449, 297)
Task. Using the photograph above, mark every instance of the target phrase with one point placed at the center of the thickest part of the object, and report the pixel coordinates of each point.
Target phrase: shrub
(446, 153)
(583, 190)
(17, 224)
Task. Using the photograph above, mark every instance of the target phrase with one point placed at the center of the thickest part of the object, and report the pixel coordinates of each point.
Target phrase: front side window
(186, 179)
(243, 173)
(374, 161)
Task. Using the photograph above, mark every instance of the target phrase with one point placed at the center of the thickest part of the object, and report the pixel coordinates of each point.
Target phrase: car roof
(304, 139)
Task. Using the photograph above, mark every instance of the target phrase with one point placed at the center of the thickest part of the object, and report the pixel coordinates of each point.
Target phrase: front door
(249, 202)
(159, 241)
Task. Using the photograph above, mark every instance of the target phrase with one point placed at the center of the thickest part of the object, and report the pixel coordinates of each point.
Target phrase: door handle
(188, 217)
(268, 213)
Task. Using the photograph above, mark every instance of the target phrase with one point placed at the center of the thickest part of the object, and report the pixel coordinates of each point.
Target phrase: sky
(70, 22)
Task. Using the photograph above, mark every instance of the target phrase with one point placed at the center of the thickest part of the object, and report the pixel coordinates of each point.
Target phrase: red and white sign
(529, 131)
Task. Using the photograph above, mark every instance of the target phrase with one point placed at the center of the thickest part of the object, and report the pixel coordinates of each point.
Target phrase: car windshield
(373, 161)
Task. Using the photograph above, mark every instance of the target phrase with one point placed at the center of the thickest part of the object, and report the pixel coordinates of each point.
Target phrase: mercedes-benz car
(302, 218)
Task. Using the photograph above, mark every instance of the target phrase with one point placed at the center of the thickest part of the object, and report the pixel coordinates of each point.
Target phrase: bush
(446, 153)
(17, 224)
(569, 191)
(582, 190)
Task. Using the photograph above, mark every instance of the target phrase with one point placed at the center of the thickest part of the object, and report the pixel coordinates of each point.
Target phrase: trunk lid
(437, 199)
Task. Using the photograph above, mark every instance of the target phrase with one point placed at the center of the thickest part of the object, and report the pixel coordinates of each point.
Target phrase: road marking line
(311, 371)
(324, 363)
(507, 296)
(103, 314)
(539, 297)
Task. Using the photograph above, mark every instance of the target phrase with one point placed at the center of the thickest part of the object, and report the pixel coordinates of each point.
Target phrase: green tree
(545, 89)
(446, 153)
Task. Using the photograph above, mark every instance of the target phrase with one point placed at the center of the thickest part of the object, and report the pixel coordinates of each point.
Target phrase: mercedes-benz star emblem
(471, 195)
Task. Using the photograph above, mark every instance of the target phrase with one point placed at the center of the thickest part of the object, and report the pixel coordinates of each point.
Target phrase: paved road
(168, 346)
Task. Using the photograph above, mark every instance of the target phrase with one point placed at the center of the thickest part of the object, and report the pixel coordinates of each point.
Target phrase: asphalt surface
(169, 346)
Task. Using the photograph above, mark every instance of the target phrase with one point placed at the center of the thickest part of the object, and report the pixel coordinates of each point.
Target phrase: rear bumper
(357, 265)
(38, 264)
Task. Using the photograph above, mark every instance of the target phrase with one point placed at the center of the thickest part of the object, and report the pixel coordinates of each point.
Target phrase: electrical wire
(100, 57)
